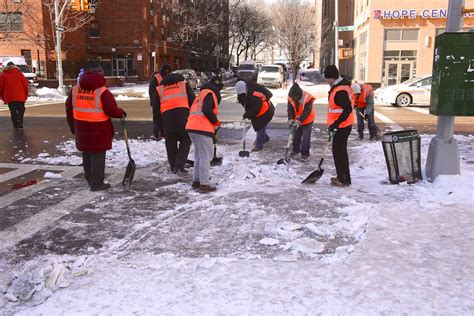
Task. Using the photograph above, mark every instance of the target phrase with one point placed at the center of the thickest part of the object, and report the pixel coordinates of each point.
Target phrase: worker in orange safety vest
(339, 122)
(155, 81)
(301, 116)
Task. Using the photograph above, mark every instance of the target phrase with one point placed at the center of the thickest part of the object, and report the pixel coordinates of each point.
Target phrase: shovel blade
(314, 176)
(283, 161)
(190, 162)
(244, 153)
(216, 161)
(129, 173)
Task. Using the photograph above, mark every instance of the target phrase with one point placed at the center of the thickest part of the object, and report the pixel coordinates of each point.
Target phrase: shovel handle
(125, 135)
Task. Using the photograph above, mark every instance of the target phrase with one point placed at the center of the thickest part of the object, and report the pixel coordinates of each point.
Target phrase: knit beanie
(331, 72)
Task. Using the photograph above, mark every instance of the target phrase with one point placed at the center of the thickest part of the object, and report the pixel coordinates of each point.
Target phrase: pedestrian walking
(155, 81)
(301, 116)
(175, 97)
(339, 122)
(82, 71)
(89, 109)
(365, 107)
(14, 92)
(202, 127)
(255, 99)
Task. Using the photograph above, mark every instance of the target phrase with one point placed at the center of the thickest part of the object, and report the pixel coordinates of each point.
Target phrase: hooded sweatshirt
(342, 99)
(208, 106)
(94, 136)
(13, 85)
(297, 93)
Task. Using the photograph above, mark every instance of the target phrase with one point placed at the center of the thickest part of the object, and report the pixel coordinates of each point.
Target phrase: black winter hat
(331, 72)
(295, 92)
(218, 82)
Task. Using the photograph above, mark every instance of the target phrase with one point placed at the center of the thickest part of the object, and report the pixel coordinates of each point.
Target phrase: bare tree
(60, 18)
(196, 19)
(294, 23)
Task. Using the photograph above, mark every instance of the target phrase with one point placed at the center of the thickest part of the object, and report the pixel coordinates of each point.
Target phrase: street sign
(346, 28)
(345, 53)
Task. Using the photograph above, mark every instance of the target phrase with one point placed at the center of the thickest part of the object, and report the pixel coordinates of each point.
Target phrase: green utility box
(452, 88)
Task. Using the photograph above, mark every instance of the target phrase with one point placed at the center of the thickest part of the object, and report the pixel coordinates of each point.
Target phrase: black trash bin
(402, 151)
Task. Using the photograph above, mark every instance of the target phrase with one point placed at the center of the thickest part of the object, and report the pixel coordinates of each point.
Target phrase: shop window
(11, 22)
(401, 34)
(393, 34)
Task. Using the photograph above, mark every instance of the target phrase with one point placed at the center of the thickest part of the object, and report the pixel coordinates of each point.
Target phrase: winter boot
(339, 183)
(361, 136)
(195, 184)
(204, 188)
(100, 187)
(304, 158)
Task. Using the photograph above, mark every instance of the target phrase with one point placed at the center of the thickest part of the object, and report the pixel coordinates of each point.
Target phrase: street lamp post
(336, 33)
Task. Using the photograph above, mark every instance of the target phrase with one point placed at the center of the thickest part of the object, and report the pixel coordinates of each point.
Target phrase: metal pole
(336, 33)
(59, 62)
(443, 153)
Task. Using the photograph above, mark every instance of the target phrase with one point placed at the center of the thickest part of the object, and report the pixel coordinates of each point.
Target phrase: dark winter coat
(154, 83)
(208, 106)
(297, 93)
(175, 119)
(13, 85)
(253, 105)
(342, 99)
(94, 136)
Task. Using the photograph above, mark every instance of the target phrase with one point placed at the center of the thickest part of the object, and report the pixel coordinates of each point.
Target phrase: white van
(20, 62)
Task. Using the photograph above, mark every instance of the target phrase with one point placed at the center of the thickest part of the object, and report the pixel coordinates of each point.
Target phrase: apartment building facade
(128, 38)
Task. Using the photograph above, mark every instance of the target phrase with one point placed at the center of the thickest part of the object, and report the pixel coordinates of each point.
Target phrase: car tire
(403, 100)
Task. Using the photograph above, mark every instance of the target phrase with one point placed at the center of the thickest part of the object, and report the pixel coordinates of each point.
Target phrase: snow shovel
(286, 160)
(216, 161)
(316, 174)
(376, 127)
(131, 167)
(244, 153)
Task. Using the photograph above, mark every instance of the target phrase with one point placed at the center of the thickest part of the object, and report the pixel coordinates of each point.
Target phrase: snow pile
(130, 92)
(52, 175)
(234, 125)
(37, 280)
(48, 94)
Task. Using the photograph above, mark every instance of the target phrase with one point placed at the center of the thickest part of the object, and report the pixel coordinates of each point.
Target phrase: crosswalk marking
(418, 110)
(35, 223)
(387, 120)
(5, 108)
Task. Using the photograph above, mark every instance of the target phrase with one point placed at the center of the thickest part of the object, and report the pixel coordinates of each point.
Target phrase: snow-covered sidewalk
(264, 244)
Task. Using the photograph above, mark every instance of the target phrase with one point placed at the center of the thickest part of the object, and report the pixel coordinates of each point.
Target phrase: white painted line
(13, 174)
(387, 120)
(25, 168)
(16, 195)
(230, 97)
(35, 223)
(419, 110)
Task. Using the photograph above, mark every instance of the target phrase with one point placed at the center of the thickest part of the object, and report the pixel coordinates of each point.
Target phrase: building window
(11, 22)
(363, 39)
(94, 29)
(401, 34)
(362, 66)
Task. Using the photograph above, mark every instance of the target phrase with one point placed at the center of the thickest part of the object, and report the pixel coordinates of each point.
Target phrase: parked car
(210, 74)
(248, 70)
(310, 76)
(235, 71)
(413, 91)
(202, 78)
(190, 76)
(271, 75)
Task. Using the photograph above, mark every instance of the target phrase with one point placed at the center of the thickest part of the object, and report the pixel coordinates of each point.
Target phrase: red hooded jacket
(94, 136)
(13, 85)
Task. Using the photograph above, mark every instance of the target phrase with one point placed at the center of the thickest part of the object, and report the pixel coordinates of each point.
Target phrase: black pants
(17, 111)
(94, 167)
(339, 153)
(177, 153)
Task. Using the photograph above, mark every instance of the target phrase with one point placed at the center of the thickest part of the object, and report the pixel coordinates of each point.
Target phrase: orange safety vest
(265, 103)
(334, 110)
(365, 91)
(306, 98)
(87, 105)
(158, 78)
(172, 96)
(197, 121)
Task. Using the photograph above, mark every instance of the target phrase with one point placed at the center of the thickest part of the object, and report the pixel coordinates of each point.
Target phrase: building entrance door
(398, 71)
(120, 68)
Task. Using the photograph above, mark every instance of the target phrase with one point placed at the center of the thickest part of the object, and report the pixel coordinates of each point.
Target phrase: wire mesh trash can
(402, 151)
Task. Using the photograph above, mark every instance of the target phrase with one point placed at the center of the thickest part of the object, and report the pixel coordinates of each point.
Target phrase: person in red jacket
(14, 92)
(89, 107)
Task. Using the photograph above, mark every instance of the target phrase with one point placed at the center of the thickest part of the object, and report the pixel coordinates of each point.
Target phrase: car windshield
(183, 72)
(269, 69)
(24, 68)
(247, 67)
(411, 80)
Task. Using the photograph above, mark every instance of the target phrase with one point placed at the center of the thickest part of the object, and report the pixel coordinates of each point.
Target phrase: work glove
(124, 114)
(366, 117)
(297, 124)
(290, 123)
(217, 126)
(246, 116)
(332, 129)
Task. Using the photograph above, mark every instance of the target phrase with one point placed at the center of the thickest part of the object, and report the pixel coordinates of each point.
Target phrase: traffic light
(75, 5)
(85, 5)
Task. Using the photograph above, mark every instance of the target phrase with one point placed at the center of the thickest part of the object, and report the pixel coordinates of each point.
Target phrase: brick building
(128, 38)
